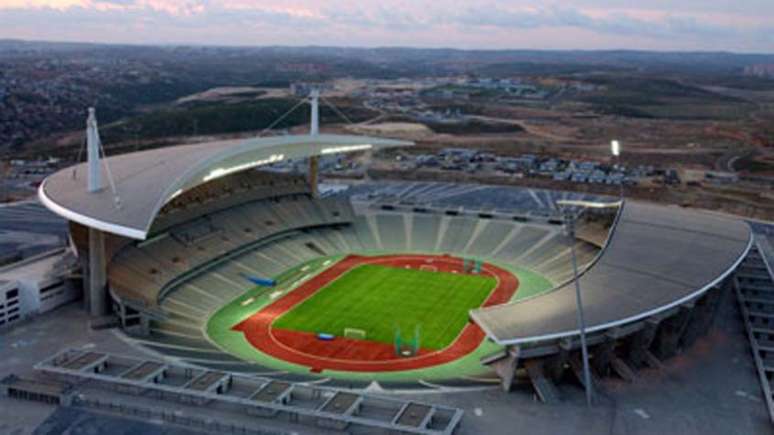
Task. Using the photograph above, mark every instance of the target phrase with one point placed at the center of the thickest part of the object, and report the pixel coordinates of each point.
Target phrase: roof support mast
(314, 101)
(92, 148)
(314, 130)
(95, 287)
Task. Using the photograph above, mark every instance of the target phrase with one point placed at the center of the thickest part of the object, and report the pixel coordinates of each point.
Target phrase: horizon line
(384, 47)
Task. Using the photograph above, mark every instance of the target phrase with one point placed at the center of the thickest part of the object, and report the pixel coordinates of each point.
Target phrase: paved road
(727, 160)
(29, 228)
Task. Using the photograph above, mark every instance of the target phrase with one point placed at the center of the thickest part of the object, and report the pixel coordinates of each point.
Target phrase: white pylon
(315, 103)
(92, 147)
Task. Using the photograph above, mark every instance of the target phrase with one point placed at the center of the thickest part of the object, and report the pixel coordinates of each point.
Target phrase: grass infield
(381, 300)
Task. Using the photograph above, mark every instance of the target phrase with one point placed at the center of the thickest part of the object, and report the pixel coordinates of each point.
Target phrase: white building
(36, 285)
(10, 308)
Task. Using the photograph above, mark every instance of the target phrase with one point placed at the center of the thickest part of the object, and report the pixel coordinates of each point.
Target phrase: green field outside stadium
(382, 300)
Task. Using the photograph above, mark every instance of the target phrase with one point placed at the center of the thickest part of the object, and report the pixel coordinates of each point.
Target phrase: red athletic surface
(345, 354)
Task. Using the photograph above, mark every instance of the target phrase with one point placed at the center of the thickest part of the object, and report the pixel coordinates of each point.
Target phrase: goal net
(358, 334)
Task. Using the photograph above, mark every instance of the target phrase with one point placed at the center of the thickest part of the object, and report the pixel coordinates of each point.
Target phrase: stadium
(214, 257)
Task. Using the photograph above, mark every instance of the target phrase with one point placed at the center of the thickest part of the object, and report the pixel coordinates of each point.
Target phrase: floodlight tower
(570, 215)
(314, 130)
(571, 210)
(615, 149)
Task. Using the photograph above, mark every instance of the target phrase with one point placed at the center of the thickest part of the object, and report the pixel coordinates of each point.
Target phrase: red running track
(345, 354)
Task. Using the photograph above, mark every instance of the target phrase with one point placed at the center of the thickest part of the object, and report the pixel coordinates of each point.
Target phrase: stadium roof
(656, 258)
(147, 180)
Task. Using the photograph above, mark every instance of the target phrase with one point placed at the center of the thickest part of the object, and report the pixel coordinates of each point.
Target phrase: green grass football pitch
(382, 300)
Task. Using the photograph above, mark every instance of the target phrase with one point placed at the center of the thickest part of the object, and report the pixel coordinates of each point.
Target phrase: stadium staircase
(754, 286)
(544, 388)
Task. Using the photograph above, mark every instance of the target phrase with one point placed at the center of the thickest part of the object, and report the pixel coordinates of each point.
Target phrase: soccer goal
(358, 334)
(407, 348)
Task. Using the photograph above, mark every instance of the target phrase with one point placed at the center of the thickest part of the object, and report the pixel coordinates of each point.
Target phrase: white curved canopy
(146, 180)
(657, 258)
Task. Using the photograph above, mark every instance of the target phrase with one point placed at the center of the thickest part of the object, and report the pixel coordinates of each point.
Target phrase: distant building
(458, 153)
(762, 70)
(671, 177)
(721, 177)
(303, 89)
(427, 160)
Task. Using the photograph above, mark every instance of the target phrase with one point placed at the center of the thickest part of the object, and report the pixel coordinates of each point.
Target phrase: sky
(667, 25)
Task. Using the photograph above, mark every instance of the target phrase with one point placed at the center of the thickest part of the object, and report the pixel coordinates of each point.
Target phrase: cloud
(481, 24)
(665, 26)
